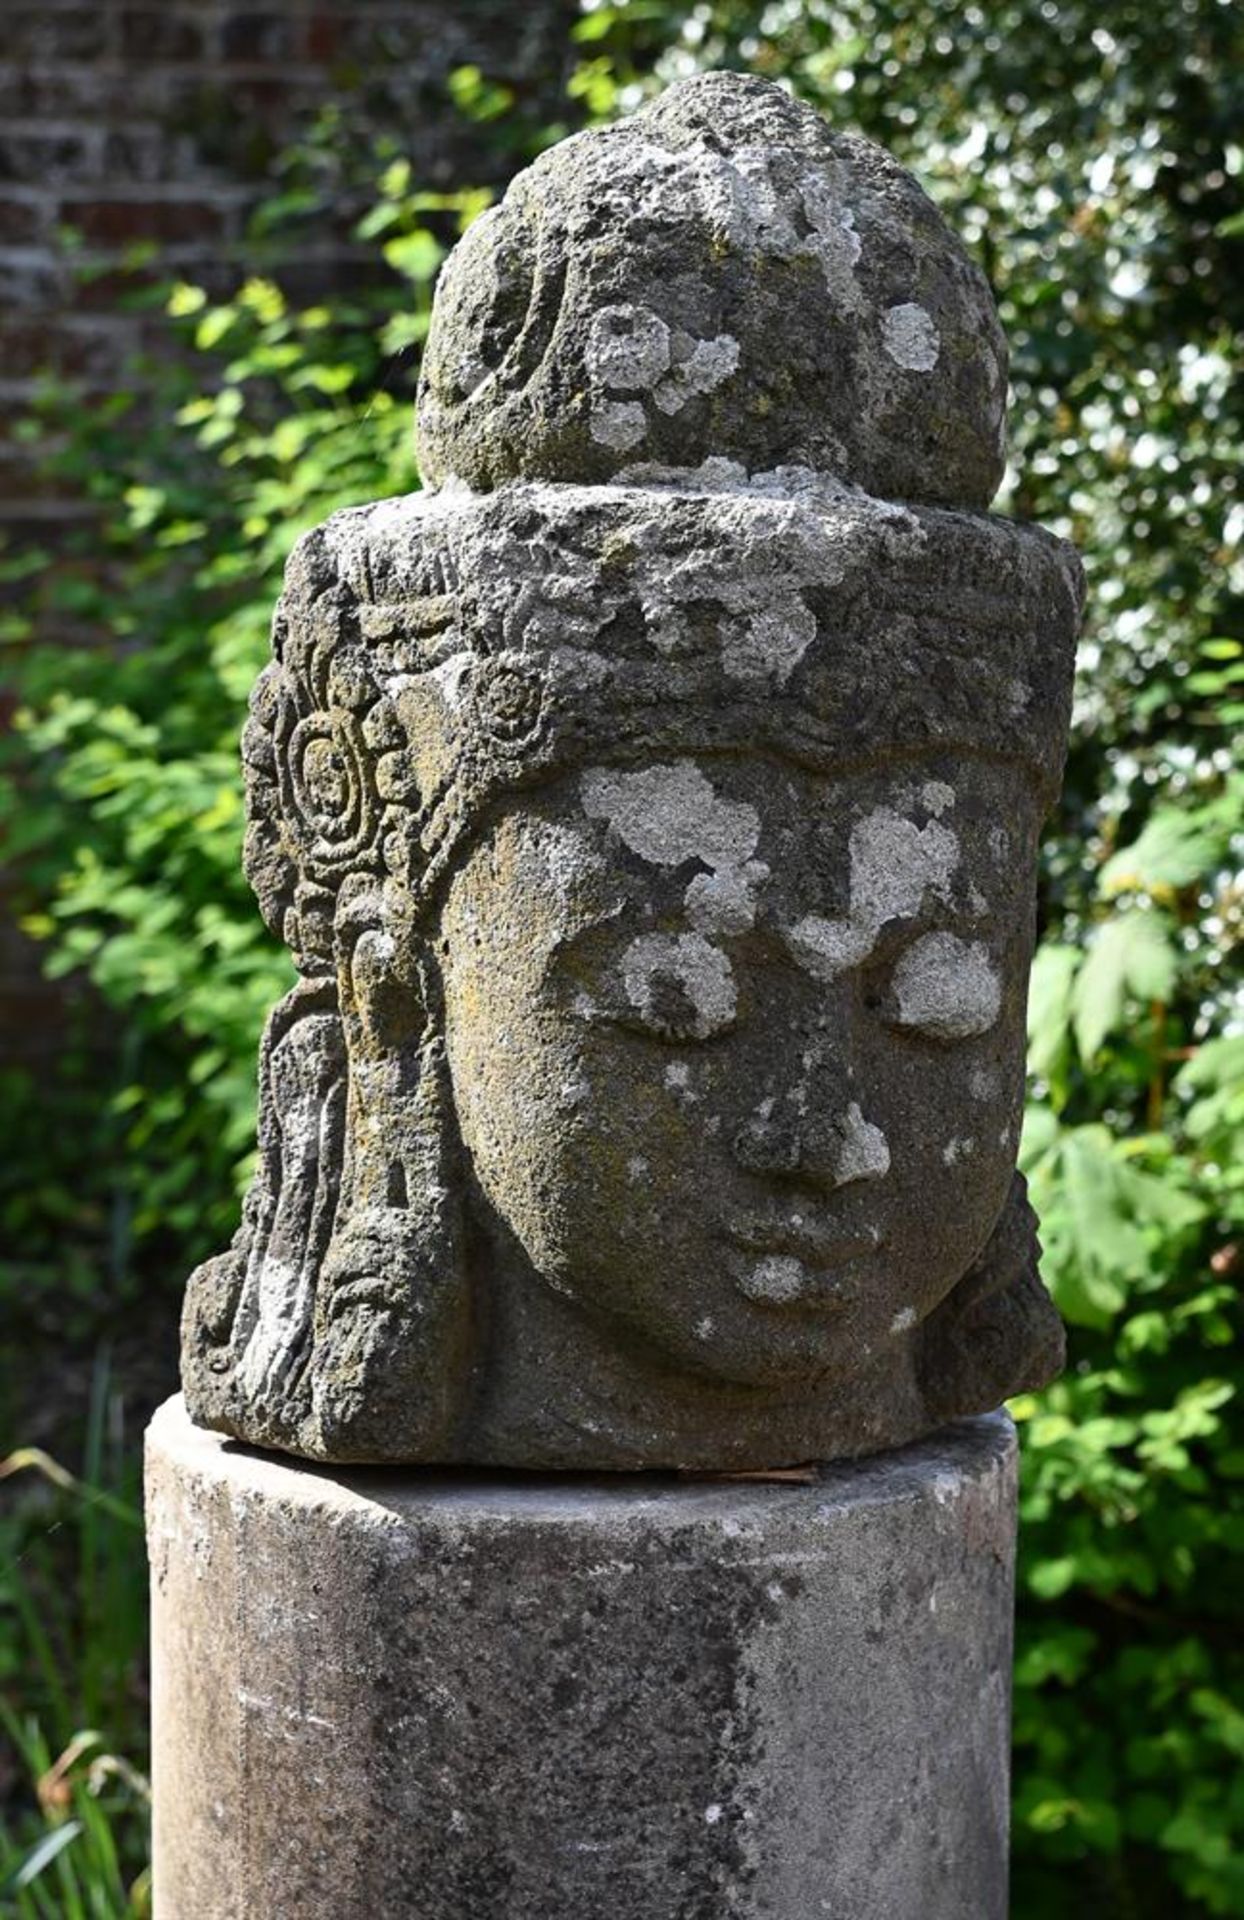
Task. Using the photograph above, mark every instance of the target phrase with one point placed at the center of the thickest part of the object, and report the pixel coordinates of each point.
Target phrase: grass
(74, 1802)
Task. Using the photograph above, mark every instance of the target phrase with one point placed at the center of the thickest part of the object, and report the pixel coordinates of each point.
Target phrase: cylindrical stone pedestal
(473, 1697)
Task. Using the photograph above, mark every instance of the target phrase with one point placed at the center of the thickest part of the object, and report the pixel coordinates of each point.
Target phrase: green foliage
(76, 1867)
(124, 807)
(73, 1826)
(1092, 157)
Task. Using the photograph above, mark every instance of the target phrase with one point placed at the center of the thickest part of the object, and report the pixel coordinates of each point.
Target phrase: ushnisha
(652, 815)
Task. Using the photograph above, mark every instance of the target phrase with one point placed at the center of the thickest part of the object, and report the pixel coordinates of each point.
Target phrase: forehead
(859, 828)
(873, 841)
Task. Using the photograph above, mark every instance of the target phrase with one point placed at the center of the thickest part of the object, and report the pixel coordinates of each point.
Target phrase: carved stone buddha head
(652, 813)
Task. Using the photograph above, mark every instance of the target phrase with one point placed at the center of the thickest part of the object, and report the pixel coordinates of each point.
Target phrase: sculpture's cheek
(947, 988)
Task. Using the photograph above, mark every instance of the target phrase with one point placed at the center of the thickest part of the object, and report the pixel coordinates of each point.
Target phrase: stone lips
(462, 646)
(724, 275)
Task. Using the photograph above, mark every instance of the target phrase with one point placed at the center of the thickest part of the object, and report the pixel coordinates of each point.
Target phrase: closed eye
(675, 987)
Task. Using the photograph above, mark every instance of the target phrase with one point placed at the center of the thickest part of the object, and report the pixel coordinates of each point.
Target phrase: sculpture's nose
(796, 1136)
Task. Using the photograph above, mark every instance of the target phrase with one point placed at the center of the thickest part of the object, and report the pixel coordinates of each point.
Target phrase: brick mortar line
(187, 253)
(115, 66)
(54, 125)
(69, 320)
(208, 12)
(19, 509)
(163, 192)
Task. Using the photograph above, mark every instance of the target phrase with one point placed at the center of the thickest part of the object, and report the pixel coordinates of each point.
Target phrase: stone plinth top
(723, 274)
(940, 1467)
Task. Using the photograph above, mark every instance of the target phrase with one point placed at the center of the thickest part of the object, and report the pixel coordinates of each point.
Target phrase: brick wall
(130, 122)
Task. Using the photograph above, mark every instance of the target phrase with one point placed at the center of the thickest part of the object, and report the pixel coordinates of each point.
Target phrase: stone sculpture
(651, 809)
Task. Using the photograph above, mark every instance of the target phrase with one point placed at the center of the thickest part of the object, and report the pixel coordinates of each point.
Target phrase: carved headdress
(436, 652)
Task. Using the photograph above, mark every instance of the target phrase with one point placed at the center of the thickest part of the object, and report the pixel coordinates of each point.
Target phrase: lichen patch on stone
(894, 863)
(628, 348)
(910, 337)
(619, 424)
(864, 1153)
(724, 901)
(777, 1278)
(706, 364)
(983, 1083)
(656, 965)
(770, 643)
(828, 947)
(947, 987)
(671, 813)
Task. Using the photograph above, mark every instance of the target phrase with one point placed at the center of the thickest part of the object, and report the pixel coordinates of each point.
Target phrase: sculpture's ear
(997, 1333)
(389, 1349)
(392, 1320)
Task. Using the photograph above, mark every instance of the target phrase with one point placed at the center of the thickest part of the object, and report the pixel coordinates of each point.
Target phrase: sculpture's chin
(997, 1333)
(755, 1349)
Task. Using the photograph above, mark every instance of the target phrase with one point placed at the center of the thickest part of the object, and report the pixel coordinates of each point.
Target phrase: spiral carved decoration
(328, 800)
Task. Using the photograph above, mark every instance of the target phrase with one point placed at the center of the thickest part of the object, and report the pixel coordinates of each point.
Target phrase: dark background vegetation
(1093, 156)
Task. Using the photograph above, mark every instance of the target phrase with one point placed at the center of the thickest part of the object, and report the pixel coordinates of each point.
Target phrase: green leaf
(478, 98)
(1131, 954)
(1040, 1136)
(1172, 851)
(417, 255)
(597, 25)
(184, 300)
(213, 327)
(1054, 970)
(41, 1855)
(1105, 1245)
(1050, 1578)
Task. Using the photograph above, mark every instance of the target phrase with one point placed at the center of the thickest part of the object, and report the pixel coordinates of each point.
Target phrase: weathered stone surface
(658, 857)
(722, 274)
(381, 1694)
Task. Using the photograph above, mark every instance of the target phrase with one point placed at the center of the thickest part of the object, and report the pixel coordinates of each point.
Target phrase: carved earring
(392, 1311)
(341, 1308)
(998, 1324)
